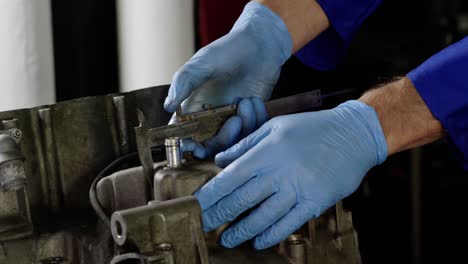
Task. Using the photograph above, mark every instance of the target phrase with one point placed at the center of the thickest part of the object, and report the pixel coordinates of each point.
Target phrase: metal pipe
(173, 155)
(297, 249)
(12, 175)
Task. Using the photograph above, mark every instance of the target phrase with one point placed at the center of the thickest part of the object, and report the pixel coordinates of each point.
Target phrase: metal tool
(204, 125)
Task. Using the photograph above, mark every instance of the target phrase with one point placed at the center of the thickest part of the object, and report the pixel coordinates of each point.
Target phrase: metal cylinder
(173, 155)
(12, 175)
(297, 249)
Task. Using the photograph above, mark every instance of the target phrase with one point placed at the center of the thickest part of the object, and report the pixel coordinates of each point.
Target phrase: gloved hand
(296, 166)
(244, 63)
(251, 114)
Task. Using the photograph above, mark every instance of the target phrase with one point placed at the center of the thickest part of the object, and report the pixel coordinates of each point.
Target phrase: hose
(97, 207)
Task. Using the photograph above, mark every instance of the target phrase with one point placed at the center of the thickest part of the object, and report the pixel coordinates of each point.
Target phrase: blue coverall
(442, 81)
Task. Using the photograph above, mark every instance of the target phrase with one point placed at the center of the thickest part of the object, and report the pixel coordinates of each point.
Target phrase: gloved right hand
(245, 63)
(291, 170)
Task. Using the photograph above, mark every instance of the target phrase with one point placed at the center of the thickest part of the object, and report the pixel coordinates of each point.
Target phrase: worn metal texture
(64, 147)
(329, 239)
(171, 183)
(66, 144)
(12, 176)
(332, 238)
(123, 190)
(164, 232)
(15, 214)
(128, 188)
(77, 245)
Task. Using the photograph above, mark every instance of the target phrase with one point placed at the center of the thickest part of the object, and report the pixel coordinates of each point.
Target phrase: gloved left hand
(296, 167)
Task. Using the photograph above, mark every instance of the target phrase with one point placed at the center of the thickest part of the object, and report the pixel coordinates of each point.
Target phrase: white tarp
(156, 37)
(26, 60)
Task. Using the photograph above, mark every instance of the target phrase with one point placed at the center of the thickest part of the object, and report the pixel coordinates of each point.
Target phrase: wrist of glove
(293, 168)
(263, 23)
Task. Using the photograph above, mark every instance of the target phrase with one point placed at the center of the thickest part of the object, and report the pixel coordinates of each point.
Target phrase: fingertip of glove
(257, 100)
(225, 244)
(259, 244)
(207, 227)
(245, 108)
(223, 159)
(226, 240)
(260, 110)
(211, 219)
(369, 115)
(188, 145)
(200, 195)
(169, 105)
(232, 126)
(220, 160)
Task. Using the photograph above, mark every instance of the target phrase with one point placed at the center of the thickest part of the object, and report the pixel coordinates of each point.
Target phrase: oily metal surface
(169, 230)
(329, 239)
(65, 145)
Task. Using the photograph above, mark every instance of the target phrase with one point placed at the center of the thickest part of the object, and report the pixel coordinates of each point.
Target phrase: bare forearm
(304, 19)
(406, 120)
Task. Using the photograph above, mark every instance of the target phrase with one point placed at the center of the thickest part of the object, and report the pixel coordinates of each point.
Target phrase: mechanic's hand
(296, 167)
(243, 64)
(251, 114)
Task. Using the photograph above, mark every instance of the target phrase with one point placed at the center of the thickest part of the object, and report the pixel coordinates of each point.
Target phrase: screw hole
(119, 229)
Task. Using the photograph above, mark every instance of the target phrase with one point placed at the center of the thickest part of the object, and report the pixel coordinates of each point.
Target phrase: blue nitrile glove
(244, 63)
(251, 114)
(296, 166)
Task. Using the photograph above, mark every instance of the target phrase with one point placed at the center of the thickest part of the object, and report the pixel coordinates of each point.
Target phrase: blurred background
(410, 209)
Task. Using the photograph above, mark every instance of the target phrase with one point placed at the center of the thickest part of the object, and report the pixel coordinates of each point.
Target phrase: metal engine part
(49, 157)
(173, 183)
(175, 214)
(173, 154)
(15, 218)
(45, 215)
(176, 234)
